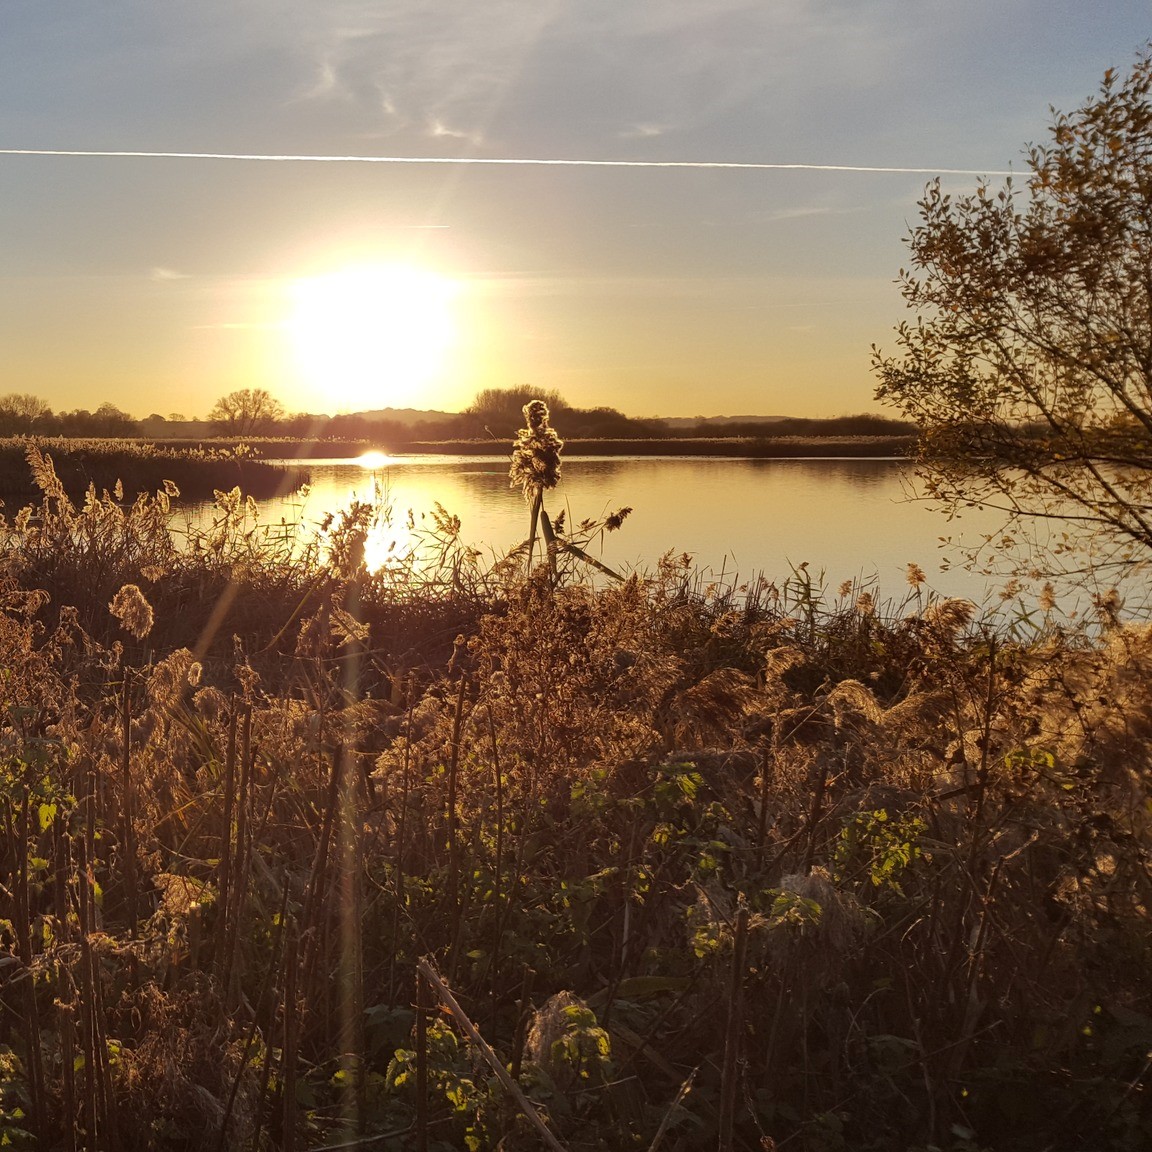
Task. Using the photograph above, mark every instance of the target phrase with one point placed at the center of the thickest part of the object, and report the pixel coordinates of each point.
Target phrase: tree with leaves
(246, 412)
(1028, 367)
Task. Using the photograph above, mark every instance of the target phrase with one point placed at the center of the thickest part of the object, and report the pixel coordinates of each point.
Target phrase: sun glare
(374, 335)
(373, 460)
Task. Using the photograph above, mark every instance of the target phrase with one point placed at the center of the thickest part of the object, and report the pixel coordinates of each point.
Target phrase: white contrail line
(520, 161)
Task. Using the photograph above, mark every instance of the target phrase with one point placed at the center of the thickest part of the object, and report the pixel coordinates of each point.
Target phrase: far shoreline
(737, 447)
(744, 447)
(261, 467)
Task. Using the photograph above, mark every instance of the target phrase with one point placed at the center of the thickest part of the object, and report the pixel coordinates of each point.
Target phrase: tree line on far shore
(23, 414)
(495, 413)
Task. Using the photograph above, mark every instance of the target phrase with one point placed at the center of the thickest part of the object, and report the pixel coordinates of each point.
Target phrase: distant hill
(410, 416)
(407, 416)
(696, 421)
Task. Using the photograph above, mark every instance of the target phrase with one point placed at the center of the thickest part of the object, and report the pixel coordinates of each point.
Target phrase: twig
(421, 1062)
(428, 971)
(666, 1120)
(128, 814)
(732, 1034)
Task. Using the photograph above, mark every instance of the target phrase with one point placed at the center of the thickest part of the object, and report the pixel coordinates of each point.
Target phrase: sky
(159, 283)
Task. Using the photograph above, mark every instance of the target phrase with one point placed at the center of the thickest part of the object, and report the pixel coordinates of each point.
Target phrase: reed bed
(297, 856)
(135, 467)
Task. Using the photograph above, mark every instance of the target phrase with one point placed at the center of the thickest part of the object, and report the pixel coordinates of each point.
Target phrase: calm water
(849, 519)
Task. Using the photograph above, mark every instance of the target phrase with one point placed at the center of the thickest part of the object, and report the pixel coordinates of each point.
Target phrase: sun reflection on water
(402, 539)
(390, 542)
(371, 461)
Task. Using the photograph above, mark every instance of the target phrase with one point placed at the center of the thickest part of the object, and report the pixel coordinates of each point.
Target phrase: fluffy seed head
(949, 616)
(132, 610)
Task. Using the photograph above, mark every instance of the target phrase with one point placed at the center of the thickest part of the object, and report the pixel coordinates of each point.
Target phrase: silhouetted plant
(535, 464)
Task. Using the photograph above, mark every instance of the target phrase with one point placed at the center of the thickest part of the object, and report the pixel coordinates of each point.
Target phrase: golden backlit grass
(137, 466)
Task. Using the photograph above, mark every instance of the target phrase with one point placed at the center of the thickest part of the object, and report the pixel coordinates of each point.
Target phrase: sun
(372, 335)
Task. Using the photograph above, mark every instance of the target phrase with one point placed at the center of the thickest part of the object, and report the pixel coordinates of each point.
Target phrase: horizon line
(523, 161)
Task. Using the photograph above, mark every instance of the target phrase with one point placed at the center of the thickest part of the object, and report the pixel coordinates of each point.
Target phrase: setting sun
(372, 336)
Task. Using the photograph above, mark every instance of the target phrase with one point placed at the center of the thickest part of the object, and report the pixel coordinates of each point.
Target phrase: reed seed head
(950, 616)
(132, 610)
(535, 453)
(615, 520)
(1010, 590)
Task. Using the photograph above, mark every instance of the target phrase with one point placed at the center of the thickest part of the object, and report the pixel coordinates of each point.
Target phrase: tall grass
(705, 866)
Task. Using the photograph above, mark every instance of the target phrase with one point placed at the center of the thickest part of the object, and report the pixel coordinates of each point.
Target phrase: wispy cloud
(746, 291)
(438, 129)
(437, 63)
(804, 211)
(239, 326)
(160, 274)
(325, 84)
(642, 132)
(521, 76)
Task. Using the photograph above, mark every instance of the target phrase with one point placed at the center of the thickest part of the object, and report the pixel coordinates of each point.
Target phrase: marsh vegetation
(134, 467)
(701, 866)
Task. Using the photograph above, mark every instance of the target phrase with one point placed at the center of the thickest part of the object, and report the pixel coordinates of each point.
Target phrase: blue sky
(160, 283)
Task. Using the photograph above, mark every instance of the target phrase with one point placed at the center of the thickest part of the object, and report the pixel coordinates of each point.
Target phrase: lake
(846, 519)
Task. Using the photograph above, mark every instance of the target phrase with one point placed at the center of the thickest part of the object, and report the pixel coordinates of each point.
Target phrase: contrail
(522, 161)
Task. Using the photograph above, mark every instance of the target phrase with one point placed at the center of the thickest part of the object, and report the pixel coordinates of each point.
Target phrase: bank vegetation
(131, 468)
